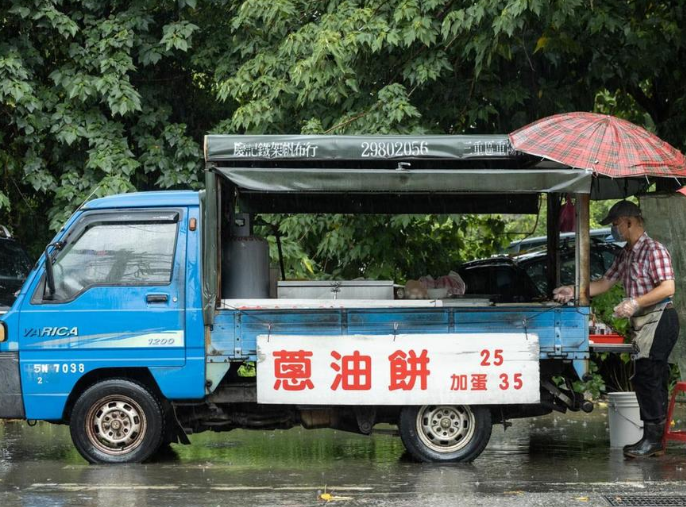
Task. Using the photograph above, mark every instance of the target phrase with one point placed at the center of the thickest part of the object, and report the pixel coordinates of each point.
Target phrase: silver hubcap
(445, 428)
(116, 425)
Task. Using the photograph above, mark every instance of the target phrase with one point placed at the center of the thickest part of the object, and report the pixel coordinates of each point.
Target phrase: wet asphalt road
(554, 460)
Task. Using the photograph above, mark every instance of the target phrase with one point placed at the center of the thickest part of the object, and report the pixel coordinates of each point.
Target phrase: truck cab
(122, 304)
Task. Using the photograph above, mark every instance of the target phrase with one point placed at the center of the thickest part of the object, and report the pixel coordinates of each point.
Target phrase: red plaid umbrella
(601, 143)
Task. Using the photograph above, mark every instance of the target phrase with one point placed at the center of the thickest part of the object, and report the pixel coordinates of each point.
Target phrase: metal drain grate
(645, 501)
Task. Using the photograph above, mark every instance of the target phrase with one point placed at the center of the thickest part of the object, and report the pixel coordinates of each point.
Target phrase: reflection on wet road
(549, 455)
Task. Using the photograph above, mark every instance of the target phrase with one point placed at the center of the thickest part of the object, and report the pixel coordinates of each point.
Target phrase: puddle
(558, 450)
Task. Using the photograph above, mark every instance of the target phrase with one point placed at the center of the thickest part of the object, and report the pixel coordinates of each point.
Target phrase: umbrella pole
(583, 249)
(553, 234)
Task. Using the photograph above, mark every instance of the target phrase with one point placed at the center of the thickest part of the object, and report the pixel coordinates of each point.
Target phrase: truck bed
(562, 331)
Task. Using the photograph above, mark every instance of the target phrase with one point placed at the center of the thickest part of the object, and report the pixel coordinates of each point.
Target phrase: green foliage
(88, 106)
(522, 226)
(4, 201)
(102, 96)
(616, 369)
(247, 369)
(603, 308)
(595, 386)
(178, 35)
(382, 247)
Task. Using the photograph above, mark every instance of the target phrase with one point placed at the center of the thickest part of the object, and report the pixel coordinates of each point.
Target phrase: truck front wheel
(445, 433)
(117, 421)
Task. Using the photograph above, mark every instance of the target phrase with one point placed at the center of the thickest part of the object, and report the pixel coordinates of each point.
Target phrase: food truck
(133, 327)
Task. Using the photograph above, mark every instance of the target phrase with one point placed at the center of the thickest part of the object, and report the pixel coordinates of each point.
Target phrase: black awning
(450, 181)
(222, 148)
(355, 203)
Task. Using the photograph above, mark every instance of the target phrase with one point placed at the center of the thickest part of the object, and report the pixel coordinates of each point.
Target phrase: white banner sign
(408, 369)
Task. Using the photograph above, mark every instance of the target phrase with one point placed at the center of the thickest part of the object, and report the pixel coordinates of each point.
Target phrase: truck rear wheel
(445, 433)
(117, 421)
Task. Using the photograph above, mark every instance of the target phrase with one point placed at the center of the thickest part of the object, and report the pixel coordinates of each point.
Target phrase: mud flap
(11, 402)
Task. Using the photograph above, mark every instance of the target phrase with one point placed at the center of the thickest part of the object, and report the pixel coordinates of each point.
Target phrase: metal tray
(350, 289)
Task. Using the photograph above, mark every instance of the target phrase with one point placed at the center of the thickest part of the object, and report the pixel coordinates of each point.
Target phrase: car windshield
(14, 263)
(602, 257)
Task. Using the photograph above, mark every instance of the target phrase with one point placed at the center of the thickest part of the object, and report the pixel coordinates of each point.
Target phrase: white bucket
(626, 427)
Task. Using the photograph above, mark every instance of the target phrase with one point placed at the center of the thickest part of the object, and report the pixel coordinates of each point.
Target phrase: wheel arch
(140, 375)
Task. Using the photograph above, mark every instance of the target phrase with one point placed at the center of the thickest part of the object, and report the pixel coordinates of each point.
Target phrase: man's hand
(563, 294)
(626, 309)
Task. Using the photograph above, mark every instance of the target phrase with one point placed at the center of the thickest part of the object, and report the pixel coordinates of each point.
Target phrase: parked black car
(523, 278)
(538, 243)
(14, 267)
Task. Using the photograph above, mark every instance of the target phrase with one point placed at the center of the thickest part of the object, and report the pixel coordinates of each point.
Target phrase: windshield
(14, 263)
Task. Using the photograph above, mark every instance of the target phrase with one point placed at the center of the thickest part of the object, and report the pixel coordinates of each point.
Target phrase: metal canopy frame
(357, 174)
(394, 175)
(469, 167)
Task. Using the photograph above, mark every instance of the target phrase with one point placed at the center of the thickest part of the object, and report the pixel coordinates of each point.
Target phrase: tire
(445, 433)
(117, 421)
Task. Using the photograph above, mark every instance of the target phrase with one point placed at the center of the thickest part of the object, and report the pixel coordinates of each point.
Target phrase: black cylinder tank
(245, 268)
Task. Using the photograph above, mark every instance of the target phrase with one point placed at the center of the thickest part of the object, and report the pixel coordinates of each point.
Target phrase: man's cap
(621, 209)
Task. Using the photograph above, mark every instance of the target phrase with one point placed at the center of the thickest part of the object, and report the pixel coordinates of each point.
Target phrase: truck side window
(116, 253)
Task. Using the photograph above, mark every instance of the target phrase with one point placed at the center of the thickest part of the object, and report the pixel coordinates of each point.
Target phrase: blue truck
(135, 326)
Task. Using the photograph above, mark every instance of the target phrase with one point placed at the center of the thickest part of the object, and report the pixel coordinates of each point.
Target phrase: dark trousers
(652, 373)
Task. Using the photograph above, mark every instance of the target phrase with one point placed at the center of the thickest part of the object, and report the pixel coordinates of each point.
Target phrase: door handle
(157, 298)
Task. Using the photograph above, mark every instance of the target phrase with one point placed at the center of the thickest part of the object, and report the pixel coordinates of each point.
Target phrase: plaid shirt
(641, 268)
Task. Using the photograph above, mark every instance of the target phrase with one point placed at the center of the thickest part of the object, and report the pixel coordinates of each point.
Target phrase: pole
(553, 238)
(583, 249)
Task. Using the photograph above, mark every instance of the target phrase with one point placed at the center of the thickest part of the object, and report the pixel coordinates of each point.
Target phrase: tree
(450, 66)
(93, 101)
(382, 247)
(104, 96)
(444, 67)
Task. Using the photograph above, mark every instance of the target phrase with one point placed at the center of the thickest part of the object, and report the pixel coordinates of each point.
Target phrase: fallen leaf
(328, 497)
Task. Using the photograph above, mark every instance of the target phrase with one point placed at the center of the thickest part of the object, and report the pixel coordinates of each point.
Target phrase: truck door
(118, 303)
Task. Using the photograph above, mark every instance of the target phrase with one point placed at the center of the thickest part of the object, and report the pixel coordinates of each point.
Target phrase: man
(644, 267)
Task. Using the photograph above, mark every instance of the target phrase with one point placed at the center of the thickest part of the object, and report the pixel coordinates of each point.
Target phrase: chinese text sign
(409, 369)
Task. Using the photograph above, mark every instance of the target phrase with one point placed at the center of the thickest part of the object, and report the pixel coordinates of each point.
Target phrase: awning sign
(337, 148)
(407, 369)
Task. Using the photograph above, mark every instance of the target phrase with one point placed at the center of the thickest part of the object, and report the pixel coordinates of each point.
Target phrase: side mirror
(49, 275)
